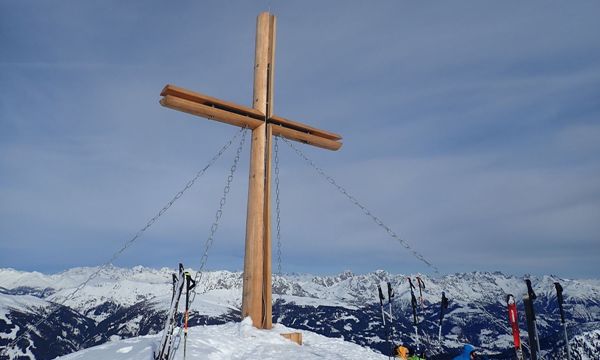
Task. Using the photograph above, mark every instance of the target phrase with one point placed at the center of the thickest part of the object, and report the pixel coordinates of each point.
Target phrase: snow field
(232, 341)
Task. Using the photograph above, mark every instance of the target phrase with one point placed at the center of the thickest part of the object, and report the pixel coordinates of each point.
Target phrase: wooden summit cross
(256, 296)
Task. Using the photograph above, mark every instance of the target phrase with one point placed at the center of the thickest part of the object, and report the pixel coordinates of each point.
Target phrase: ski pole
(559, 297)
(443, 306)
(421, 285)
(381, 298)
(413, 301)
(185, 316)
(390, 297)
(189, 285)
(421, 288)
(534, 340)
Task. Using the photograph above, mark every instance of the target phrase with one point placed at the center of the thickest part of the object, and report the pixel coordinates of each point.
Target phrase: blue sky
(472, 129)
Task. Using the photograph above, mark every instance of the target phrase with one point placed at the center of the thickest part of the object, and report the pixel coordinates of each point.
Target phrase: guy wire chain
(365, 210)
(210, 240)
(404, 243)
(380, 223)
(127, 244)
(277, 205)
(218, 215)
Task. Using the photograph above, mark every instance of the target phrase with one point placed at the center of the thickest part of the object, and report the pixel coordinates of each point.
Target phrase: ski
(514, 324)
(166, 343)
(559, 298)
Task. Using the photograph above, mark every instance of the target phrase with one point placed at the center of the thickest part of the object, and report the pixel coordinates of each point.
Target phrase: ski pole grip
(421, 283)
(530, 292)
(380, 295)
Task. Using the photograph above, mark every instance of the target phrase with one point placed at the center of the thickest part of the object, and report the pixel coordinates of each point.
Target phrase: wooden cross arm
(234, 114)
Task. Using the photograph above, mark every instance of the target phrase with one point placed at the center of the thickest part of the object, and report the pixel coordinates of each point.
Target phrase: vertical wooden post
(267, 254)
(256, 296)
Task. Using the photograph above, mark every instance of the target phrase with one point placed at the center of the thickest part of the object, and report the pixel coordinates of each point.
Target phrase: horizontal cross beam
(224, 111)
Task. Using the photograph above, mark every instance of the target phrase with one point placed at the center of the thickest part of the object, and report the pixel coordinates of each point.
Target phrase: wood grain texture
(306, 138)
(204, 99)
(236, 119)
(196, 97)
(252, 293)
(209, 112)
(294, 336)
(256, 294)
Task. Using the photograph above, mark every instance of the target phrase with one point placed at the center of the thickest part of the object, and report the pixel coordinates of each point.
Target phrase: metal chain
(277, 205)
(130, 242)
(365, 210)
(218, 215)
(210, 239)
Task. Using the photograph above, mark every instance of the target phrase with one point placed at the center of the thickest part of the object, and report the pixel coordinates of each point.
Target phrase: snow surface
(233, 341)
(23, 303)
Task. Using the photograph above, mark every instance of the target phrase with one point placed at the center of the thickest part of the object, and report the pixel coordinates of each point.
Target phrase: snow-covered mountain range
(123, 303)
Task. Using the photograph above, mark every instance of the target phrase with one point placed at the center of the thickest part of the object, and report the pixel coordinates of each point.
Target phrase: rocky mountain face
(122, 303)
